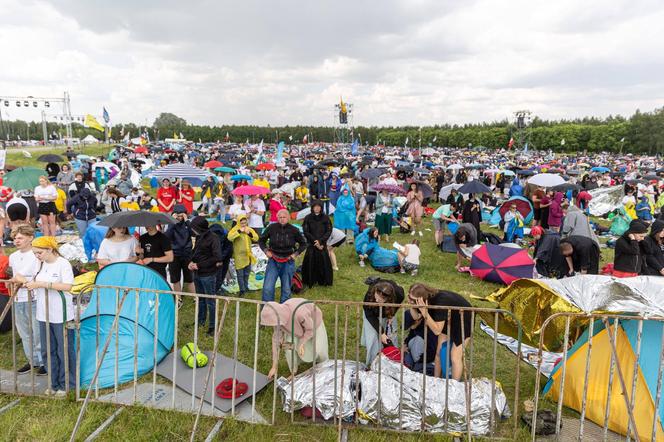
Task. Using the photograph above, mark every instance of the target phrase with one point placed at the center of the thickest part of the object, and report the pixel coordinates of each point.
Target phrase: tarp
(605, 199)
(134, 328)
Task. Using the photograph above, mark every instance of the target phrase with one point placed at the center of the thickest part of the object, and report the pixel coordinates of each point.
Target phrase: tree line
(643, 132)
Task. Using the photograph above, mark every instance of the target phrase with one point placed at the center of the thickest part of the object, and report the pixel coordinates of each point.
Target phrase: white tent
(90, 139)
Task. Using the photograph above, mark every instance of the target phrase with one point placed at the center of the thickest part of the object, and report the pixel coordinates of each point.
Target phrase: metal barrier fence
(627, 386)
(244, 343)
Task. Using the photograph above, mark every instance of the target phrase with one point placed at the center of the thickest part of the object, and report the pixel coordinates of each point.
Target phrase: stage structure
(343, 122)
(522, 120)
(43, 103)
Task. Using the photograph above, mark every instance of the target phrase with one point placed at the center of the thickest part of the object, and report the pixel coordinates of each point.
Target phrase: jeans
(282, 270)
(243, 279)
(206, 307)
(57, 342)
(82, 226)
(23, 326)
(414, 357)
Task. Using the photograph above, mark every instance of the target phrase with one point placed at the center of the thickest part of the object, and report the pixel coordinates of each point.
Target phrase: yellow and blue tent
(647, 376)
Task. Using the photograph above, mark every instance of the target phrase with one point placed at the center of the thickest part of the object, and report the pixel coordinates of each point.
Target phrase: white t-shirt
(25, 264)
(255, 220)
(48, 191)
(413, 256)
(117, 251)
(58, 271)
(236, 210)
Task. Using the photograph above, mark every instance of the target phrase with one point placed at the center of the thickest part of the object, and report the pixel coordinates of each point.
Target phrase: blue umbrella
(224, 169)
(241, 177)
(600, 169)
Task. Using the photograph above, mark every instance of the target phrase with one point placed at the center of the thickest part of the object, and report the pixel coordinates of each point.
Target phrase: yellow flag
(92, 122)
(343, 106)
(175, 135)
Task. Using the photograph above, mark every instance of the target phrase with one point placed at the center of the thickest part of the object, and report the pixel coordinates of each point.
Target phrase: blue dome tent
(126, 275)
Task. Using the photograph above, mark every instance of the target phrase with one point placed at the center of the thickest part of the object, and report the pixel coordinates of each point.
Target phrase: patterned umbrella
(389, 188)
(501, 264)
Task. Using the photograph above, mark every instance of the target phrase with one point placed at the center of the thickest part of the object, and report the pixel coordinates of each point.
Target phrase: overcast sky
(413, 62)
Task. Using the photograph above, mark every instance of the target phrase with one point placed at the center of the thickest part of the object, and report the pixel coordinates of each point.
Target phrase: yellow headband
(45, 242)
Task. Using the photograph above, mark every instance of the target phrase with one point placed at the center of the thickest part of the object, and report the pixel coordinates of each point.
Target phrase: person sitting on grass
(452, 337)
(365, 243)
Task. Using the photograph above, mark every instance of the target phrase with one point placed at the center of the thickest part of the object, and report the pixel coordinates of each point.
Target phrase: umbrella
(525, 172)
(600, 169)
(141, 149)
(250, 190)
(329, 162)
(564, 187)
(212, 164)
(474, 186)
(573, 172)
(136, 218)
(427, 191)
(266, 166)
(455, 166)
(546, 180)
(224, 169)
(422, 171)
(651, 176)
(106, 165)
(241, 177)
(501, 264)
(428, 151)
(304, 212)
(507, 172)
(370, 174)
(389, 188)
(23, 178)
(83, 157)
(50, 158)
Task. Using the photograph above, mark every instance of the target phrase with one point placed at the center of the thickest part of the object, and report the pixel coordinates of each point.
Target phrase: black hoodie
(652, 251)
(207, 250)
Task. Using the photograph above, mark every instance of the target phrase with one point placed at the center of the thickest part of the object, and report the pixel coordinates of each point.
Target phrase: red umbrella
(250, 190)
(212, 164)
(141, 149)
(266, 166)
(501, 264)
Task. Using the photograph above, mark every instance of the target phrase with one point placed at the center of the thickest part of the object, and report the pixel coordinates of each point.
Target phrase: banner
(92, 122)
(106, 117)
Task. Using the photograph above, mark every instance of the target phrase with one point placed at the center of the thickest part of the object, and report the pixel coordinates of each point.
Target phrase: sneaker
(420, 232)
(41, 371)
(336, 269)
(413, 273)
(49, 392)
(361, 263)
(402, 271)
(412, 233)
(210, 332)
(60, 394)
(25, 369)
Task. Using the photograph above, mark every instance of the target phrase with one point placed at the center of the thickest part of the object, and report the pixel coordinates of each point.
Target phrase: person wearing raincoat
(242, 236)
(643, 210)
(332, 189)
(345, 212)
(516, 189)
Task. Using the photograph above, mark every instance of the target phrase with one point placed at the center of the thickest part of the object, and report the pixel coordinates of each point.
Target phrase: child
(409, 257)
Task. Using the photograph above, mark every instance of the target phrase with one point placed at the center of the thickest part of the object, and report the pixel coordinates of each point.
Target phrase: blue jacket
(83, 205)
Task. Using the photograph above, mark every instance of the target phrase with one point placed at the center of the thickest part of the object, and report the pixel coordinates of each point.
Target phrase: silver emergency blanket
(395, 396)
(327, 402)
(643, 295)
(74, 251)
(605, 199)
(529, 354)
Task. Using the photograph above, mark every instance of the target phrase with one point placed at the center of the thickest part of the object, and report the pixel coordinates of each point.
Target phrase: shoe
(41, 371)
(412, 233)
(210, 332)
(336, 269)
(26, 368)
(361, 263)
(402, 271)
(49, 392)
(60, 394)
(420, 233)
(413, 273)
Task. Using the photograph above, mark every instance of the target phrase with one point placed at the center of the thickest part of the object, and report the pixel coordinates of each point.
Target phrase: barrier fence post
(639, 333)
(176, 299)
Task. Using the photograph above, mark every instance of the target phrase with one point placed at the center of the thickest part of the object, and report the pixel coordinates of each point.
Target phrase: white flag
(434, 139)
(260, 147)
(622, 140)
(562, 142)
(406, 143)
(290, 138)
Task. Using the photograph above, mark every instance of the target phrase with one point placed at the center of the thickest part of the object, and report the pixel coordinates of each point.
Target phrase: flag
(290, 138)
(406, 143)
(342, 105)
(434, 139)
(175, 135)
(92, 123)
(280, 151)
(227, 137)
(304, 140)
(105, 114)
(353, 149)
(181, 136)
(622, 140)
(122, 131)
(126, 137)
(511, 142)
(562, 142)
(260, 147)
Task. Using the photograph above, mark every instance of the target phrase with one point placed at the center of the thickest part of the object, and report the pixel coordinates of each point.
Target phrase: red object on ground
(225, 389)
(392, 353)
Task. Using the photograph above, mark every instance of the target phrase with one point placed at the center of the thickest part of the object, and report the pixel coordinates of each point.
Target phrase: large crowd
(309, 201)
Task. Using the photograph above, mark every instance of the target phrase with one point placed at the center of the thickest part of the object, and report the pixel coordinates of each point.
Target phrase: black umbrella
(136, 218)
(50, 158)
(573, 172)
(525, 172)
(651, 176)
(370, 174)
(565, 187)
(427, 191)
(474, 186)
(329, 162)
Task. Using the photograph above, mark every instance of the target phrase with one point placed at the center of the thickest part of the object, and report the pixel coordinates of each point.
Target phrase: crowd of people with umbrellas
(186, 210)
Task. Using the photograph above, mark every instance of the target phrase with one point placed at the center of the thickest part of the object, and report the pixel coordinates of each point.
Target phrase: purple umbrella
(389, 188)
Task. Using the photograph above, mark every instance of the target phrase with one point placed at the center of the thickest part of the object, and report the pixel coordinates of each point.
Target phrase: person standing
(384, 205)
(255, 208)
(82, 206)
(186, 197)
(55, 277)
(415, 209)
(180, 236)
(317, 228)
(282, 243)
(556, 212)
(472, 214)
(205, 259)
(25, 265)
(45, 196)
(167, 195)
(154, 250)
(242, 236)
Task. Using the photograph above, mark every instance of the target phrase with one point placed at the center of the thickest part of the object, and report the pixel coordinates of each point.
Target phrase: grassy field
(48, 419)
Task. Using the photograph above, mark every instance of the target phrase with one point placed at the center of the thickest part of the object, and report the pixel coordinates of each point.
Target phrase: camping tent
(646, 377)
(501, 263)
(137, 324)
(90, 139)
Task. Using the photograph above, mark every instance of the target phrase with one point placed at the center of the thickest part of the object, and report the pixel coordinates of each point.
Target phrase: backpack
(297, 286)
